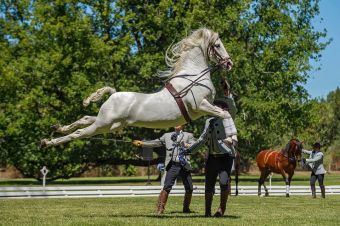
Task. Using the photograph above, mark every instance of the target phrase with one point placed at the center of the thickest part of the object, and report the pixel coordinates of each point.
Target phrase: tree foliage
(55, 53)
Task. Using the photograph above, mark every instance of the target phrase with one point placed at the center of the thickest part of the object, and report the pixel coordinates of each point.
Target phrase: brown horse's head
(294, 149)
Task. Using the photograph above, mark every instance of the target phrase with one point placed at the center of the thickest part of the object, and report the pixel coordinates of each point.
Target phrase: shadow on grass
(168, 216)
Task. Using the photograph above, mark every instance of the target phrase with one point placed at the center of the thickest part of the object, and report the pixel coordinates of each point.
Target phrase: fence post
(44, 172)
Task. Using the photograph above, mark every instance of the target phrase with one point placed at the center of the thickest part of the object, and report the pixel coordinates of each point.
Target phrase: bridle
(294, 157)
(220, 60)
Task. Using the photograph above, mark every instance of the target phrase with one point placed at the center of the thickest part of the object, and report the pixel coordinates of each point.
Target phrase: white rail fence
(138, 191)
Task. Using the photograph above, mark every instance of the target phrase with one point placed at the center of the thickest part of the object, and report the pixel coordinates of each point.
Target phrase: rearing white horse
(189, 74)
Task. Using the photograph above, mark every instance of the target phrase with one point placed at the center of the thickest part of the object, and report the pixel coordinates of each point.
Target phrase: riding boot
(186, 202)
(223, 204)
(163, 197)
(323, 192)
(208, 202)
(312, 187)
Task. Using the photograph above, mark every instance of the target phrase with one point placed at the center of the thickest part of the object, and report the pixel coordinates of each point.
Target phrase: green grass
(301, 178)
(242, 210)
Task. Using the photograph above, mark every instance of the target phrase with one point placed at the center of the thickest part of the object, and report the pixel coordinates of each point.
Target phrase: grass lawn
(242, 210)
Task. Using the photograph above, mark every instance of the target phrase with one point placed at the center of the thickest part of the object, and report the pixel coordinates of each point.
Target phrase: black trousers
(219, 165)
(172, 173)
(314, 177)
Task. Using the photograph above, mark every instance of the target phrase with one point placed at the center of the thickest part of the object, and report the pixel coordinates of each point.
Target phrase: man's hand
(185, 145)
(303, 163)
(137, 143)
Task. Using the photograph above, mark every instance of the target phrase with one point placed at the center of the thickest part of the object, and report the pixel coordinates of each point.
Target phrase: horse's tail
(96, 96)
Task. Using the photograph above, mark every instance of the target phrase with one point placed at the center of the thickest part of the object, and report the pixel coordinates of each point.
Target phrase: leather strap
(179, 101)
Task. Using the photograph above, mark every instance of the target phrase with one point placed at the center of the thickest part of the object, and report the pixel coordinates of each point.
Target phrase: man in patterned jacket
(176, 163)
(220, 135)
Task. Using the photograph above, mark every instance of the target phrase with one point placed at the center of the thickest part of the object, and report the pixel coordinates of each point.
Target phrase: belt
(218, 155)
(175, 163)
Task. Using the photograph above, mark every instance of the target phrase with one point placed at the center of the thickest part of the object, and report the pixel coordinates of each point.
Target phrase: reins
(293, 158)
(187, 88)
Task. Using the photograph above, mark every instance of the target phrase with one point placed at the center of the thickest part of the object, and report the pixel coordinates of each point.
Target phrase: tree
(324, 125)
(56, 53)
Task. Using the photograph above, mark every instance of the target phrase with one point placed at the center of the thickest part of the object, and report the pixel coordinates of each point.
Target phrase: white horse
(188, 73)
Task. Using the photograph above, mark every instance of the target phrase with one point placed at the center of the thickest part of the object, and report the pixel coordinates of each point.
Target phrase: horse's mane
(176, 53)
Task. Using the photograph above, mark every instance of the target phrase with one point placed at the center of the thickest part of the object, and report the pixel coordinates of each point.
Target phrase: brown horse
(282, 162)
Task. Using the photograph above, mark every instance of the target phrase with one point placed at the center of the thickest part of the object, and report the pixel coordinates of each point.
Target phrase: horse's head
(295, 148)
(212, 46)
(218, 53)
(200, 43)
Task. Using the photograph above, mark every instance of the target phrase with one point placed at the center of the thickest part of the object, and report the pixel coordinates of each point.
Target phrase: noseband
(220, 60)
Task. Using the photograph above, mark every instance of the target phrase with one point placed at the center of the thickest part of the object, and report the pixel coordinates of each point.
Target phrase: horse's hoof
(287, 195)
(55, 127)
(86, 103)
(267, 194)
(43, 143)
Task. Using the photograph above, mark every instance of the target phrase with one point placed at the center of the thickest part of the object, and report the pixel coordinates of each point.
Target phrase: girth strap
(179, 101)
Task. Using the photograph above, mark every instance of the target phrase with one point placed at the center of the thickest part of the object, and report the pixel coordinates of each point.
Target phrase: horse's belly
(157, 110)
(154, 111)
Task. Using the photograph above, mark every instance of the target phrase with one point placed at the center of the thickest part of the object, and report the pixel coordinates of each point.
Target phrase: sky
(327, 79)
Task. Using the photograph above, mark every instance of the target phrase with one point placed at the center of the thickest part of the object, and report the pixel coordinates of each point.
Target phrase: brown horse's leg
(286, 181)
(260, 181)
(264, 185)
(264, 175)
(290, 176)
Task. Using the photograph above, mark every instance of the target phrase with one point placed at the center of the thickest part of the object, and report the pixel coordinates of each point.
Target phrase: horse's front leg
(286, 181)
(210, 109)
(290, 176)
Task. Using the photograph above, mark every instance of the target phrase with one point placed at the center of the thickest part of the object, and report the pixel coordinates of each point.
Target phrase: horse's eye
(217, 45)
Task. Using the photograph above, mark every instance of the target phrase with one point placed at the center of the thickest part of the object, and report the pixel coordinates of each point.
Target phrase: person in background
(315, 163)
(176, 164)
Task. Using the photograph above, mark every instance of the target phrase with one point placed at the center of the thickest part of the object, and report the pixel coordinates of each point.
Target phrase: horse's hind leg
(264, 175)
(260, 182)
(265, 189)
(84, 121)
(78, 134)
